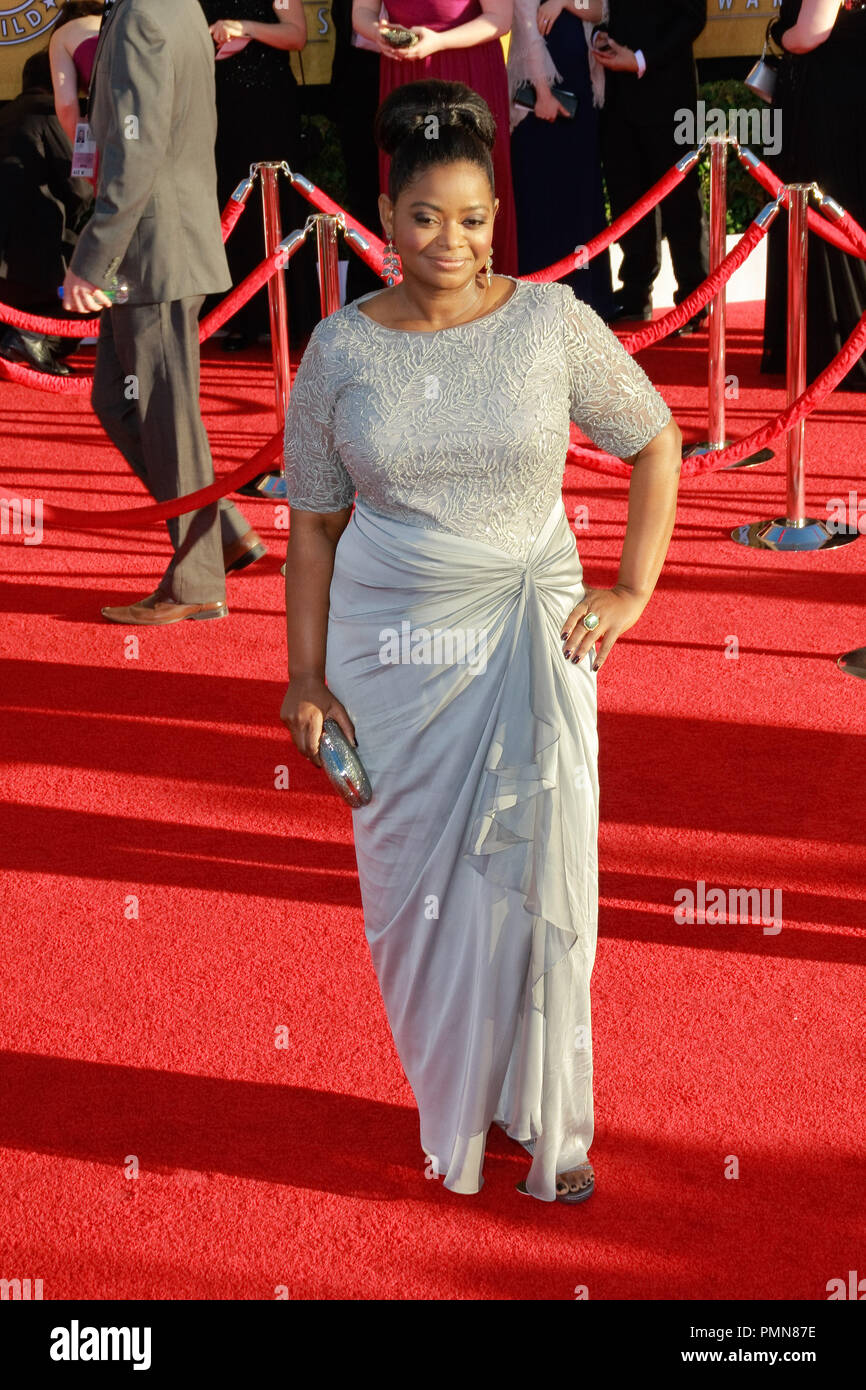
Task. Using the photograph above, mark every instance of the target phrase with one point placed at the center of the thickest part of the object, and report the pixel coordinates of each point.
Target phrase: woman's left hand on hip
(617, 610)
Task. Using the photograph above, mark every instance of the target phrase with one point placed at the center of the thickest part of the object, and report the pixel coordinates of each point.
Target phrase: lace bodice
(464, 429)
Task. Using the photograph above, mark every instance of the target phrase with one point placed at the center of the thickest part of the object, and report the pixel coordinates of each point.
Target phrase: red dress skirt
(483, 69)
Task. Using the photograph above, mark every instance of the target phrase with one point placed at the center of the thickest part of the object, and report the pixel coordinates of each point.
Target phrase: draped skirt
(477, 856)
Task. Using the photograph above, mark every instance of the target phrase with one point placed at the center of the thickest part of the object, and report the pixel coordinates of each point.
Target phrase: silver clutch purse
(343, 766)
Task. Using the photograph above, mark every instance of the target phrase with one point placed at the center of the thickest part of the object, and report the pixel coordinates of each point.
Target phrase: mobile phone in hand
(398, 36)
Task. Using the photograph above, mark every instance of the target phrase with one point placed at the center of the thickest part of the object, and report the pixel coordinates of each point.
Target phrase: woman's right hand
(224, 30)
(547, 108)
(308, 703)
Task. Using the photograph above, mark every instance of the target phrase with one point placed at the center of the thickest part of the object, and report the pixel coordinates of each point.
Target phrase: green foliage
(322, 160)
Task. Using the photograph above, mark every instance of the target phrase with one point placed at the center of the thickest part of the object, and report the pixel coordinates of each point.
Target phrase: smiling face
(442, 224)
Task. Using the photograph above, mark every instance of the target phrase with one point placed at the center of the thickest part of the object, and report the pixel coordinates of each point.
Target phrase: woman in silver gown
(441, 623)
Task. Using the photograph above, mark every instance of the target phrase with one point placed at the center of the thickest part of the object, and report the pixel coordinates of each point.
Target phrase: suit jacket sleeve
(139, 103)
(687, 24)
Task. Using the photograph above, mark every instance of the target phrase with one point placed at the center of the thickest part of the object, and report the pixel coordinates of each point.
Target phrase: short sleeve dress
(477, 856)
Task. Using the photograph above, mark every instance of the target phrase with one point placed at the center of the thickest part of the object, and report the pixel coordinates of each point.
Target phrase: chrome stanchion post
(718, 303)
(795, 531)
(716, 367)
(276, 291)
(329, 266)
(273, 484)
(795, 379)
(716, 370)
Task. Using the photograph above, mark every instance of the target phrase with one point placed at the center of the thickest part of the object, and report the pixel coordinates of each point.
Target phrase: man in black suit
(156, 225)
(650, 75)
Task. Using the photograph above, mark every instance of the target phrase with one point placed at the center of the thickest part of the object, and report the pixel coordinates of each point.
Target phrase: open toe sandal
(571, 1198)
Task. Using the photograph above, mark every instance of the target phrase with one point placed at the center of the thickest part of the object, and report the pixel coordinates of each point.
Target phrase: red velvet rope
(160, 511)
(854, 243)
(585, 458)
(58, 328)
(600, 463)
(89, 328)
(230, 215)
(668, 323)
(242, 292)
(45, 381)
(750, 444)
(623, 224)
(80, 385)
(854, 231)
(320, 200)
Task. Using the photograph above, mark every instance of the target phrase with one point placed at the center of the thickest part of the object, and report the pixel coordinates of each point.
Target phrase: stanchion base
(853, 663)
(779, 534)
(272, 485)
(704, 448)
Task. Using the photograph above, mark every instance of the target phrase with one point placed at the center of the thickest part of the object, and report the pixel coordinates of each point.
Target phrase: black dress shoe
(627, 313)
(31, 349)
(236, 341)
(694, 325)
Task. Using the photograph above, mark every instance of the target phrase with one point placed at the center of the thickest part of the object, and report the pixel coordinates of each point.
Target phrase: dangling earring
(489, 267)
(391, 263)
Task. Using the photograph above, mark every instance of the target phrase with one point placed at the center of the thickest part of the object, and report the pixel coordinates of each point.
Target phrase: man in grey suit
(156, 225)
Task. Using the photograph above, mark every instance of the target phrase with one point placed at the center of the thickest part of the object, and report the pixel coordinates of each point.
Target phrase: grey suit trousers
(146, 395)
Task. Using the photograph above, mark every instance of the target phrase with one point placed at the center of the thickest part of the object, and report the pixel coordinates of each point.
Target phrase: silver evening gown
(477, 857)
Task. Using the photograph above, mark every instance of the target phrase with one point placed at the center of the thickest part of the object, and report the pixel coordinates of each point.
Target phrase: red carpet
(298, 1165)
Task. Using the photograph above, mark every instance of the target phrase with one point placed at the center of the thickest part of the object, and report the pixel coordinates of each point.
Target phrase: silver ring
(591, 621)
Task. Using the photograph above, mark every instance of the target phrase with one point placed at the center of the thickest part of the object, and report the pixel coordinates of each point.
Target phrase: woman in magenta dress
(459, 40)
(72, 49)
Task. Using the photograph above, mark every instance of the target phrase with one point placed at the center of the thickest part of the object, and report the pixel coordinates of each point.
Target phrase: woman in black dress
(555, 160)
(259, 118)
(821, 92)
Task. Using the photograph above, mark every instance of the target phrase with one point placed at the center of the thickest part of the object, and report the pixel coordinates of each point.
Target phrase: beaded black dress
(259, 118)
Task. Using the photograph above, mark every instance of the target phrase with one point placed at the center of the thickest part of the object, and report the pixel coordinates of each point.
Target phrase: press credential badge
(84, 153)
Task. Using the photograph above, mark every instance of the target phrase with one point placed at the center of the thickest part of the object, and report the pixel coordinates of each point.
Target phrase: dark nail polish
(577, 659)
(563, 635)
(567, 653)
